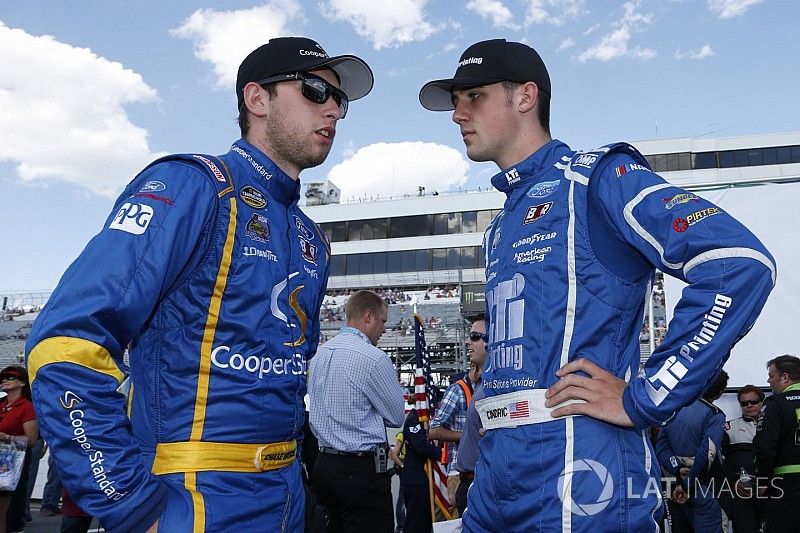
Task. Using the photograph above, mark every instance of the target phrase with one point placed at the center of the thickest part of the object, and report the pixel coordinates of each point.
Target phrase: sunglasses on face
(476, 336)
(745, 403)
(8, 378)
(314, 88)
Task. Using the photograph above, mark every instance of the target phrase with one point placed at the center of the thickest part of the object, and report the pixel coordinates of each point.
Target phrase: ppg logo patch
(132, 218)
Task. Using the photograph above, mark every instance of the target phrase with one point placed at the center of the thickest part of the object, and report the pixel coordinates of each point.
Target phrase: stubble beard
(288, 147)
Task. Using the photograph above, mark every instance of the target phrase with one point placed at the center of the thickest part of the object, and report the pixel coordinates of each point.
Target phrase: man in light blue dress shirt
(354, 394)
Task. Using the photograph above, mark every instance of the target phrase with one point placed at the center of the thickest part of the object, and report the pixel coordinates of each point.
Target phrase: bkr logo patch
(535, 212)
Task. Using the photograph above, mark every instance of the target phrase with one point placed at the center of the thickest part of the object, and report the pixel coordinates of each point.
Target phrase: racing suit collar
(280, 186)
(522, 175)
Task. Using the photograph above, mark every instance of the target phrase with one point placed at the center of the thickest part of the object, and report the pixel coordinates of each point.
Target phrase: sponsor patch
(253, 197)
(532, 239)
(252, 251)
(535, 212)
(682, 198)
(584, 160)
(217, 174)
(308, 251)
(257, 228)
(681, 224)
(155, 197)
(304, 231)
(543, 190)
(153, 186)
(132, 218)
(624, 169)
(512, 176)
(534, 255)
(415, 429)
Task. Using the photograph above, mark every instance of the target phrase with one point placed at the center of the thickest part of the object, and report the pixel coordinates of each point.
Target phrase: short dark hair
(361, 302)
(750, 388)
(717, 387)
(543, 104)
(244, 119)
(788, 364)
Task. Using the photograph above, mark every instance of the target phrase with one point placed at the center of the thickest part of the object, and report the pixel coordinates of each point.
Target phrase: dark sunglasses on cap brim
(314, 88)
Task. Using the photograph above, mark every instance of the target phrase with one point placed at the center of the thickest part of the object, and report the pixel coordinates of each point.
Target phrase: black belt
(332, 451)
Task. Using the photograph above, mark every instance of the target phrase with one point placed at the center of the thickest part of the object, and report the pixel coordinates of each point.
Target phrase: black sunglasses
(745, 403)
(314, 88)
(475, 336)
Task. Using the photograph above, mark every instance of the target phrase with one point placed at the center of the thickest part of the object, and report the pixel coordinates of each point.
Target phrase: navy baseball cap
(485, 63)
(284, 55)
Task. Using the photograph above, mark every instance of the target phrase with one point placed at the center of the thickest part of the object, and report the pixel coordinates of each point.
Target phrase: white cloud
(63, 115)
(569, 42)
(726, 9)
(702, 53)
(553, 11)
(495, 10)
(392, 169)
(384, 24)
(617, 43)
(224, 38)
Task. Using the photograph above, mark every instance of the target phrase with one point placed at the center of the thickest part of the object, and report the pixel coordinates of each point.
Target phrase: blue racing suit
(211, 277)
(693, 440)
(569, 261)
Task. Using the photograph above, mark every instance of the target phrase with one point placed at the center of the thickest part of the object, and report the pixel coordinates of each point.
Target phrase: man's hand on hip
(602, 392)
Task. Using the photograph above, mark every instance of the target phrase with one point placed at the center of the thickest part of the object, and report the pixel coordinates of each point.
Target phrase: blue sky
(91, 91)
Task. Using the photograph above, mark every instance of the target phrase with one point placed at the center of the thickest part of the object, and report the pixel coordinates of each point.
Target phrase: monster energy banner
(473, 299)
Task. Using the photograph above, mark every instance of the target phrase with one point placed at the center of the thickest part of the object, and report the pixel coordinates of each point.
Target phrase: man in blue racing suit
(569, 261)
(211, 276)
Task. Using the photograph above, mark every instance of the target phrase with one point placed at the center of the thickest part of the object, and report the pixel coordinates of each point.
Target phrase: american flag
(423, 384)
(518, 409)
(423, 392)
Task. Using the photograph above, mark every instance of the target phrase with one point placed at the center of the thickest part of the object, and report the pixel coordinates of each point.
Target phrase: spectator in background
(413, 477)
(51, 493)
(17, 419)
(354, 395)
(73, 518)
(37, 452)
(448, 422)
(468, 453)
(777, 446)
(737, 447)
(689, 448)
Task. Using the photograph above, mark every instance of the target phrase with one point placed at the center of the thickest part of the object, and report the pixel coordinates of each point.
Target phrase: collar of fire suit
(280, 186)
(355, 331)
(748, 419)
(516, 180)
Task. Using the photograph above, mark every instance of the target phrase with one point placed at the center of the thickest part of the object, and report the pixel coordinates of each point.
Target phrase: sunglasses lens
(318, 91)
(475, 336)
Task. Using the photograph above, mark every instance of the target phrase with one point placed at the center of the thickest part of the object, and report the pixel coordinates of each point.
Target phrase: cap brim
(355, 76)
(437, 95)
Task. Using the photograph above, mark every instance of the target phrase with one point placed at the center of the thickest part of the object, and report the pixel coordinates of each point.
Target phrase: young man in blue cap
(569, 260)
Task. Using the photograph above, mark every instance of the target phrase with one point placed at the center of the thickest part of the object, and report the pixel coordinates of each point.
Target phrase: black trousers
(356, 498)
(461, 494)
(418, 509)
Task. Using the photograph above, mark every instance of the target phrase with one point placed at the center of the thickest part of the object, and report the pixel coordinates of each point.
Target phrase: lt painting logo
(590, 469)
